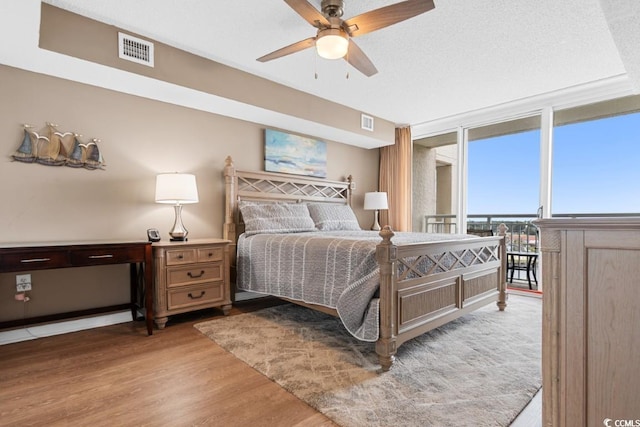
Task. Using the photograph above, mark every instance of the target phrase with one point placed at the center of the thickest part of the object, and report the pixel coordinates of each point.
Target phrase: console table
(32, 257)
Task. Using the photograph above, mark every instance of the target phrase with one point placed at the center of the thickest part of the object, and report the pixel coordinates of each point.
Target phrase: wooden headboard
(274, 187)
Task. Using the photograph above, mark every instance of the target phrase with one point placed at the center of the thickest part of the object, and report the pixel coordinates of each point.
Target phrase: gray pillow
(333, 217)
(275, 218)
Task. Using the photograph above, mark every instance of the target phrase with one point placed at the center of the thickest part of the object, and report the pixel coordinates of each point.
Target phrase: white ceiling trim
(589, 93)
(623, 20)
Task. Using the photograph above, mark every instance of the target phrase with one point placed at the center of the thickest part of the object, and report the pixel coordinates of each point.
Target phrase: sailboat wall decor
(54, 148)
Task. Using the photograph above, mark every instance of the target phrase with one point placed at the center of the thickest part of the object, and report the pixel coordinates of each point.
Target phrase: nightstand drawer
(196, 295)
(188, 275)
(181, 256)
(210, 254)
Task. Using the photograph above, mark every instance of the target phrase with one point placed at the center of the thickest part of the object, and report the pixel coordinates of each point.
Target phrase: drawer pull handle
(194, 276)
(180, 256)
(100, 256)
(35, 260)
(198, 297)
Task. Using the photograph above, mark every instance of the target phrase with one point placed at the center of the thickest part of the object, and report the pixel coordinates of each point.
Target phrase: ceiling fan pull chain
(346, 65)
(315, 66)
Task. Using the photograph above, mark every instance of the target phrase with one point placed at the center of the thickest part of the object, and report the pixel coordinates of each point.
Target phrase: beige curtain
(395, 180)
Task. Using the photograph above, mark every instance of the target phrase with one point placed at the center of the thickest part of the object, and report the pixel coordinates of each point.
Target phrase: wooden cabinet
(591, 321)
(189, 276)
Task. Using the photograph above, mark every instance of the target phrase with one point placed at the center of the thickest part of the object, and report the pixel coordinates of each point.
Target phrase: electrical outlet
(23, 282)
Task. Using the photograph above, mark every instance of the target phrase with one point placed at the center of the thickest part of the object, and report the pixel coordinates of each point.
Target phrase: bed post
(386, 255)
(502, 276)
(229, 229)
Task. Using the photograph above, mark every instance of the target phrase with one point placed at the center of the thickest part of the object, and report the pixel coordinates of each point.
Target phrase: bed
(386, 287)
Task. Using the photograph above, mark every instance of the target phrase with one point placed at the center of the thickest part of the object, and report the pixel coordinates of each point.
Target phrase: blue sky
(596, 169)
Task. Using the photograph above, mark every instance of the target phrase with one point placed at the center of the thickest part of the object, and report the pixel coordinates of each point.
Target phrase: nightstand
(189, 276)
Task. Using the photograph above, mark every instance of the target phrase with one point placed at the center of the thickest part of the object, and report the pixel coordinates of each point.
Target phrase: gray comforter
(333, 269)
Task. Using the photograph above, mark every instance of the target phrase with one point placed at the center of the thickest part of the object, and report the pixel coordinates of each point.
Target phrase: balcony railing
(522, 235)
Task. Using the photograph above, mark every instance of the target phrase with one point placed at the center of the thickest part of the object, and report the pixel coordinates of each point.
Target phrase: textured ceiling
(462, 56)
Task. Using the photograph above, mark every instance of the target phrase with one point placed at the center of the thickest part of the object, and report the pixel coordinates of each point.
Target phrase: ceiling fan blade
(359, 60)
(385, 16)
(309, 13)
(288, 50)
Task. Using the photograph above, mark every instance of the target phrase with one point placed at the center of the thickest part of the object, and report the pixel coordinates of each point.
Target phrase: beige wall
(434, 182)
(447, 161)
(424, 185)
(140, 138)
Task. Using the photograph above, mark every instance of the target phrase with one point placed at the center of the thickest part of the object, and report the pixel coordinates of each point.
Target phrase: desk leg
(148, 288)
(141, 286)
(134, 284)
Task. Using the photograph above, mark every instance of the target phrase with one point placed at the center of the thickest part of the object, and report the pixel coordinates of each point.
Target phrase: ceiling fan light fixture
(332, 43)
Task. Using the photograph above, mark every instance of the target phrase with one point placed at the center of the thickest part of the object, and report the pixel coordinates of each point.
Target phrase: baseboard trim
(41, 331)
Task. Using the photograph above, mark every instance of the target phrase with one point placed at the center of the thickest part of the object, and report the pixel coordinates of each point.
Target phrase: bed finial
(350, 187)
(386, 233)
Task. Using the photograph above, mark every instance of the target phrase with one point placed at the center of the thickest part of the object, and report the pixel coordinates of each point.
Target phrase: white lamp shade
(176, 188)
(332, 44)
(375, 200)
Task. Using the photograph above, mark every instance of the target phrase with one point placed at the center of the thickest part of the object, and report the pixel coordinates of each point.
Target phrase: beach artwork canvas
(294, 154)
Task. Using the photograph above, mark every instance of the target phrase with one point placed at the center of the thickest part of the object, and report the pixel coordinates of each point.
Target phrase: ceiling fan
(334, 37)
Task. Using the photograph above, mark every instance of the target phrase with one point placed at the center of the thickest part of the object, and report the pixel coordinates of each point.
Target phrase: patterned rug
(480, 370)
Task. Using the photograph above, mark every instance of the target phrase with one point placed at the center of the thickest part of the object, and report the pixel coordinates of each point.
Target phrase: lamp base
(178, 233)
(376, 225)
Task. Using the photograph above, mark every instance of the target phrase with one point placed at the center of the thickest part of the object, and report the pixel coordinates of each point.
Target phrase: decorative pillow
(332, 217)
(275, 218)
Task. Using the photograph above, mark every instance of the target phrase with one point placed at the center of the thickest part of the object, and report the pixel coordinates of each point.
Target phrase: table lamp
(177, 189)
(375, 201)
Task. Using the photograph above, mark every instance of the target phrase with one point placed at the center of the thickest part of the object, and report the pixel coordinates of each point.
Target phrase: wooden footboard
(423, 286)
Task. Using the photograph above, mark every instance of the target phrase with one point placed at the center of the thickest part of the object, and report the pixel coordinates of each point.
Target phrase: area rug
(480, 370)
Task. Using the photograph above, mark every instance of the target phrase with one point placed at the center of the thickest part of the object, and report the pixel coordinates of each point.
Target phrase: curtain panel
(395, 180)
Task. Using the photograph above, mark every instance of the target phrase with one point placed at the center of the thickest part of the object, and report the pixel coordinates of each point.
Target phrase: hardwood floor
(116, 375)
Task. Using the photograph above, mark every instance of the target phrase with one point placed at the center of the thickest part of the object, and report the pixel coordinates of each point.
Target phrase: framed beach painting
(294, 154)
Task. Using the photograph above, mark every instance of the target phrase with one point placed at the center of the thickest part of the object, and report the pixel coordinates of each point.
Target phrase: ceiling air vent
(135, 49)
(366, 122)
